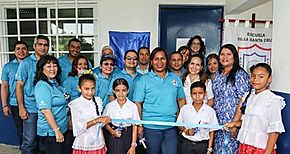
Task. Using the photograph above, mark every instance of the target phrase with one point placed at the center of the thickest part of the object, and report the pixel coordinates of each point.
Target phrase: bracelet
(134, 144)
(58, 128)
(209, 149)
(94, 121)
(4, 106)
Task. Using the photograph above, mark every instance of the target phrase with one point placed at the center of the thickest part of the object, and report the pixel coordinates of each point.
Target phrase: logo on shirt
(174, 82)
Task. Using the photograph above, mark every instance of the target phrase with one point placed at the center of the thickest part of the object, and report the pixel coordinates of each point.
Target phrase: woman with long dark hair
(229, 86)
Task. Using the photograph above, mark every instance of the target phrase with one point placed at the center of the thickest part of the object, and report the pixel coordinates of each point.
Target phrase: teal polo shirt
(8, 75)
(130, 79)
(159, 97)
(65, 65)
(71, 87)
(50, 96)
(26, 73)
(102, 87)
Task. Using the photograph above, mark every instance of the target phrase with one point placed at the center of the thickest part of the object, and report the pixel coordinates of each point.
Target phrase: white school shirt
(187, 85)
(129, 111)
(205, 115)
(82, 111)
(262, 116)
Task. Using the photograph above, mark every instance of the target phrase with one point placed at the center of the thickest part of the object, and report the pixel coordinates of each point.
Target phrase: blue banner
(123, 41)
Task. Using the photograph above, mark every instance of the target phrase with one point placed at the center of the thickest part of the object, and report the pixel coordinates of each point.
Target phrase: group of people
(65, 105)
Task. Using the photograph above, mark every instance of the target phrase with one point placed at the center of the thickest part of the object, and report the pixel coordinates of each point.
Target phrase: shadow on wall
(8, 129)
(8, 133)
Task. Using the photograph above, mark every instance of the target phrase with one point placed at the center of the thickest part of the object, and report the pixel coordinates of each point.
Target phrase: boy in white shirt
(197, 140)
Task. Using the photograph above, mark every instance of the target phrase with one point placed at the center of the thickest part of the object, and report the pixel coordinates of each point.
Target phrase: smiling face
(50, 70)
(21, 51)
(213, 65)
(82, 65)
(226, 57)
(74, 48)
(144, 56)
(260, 79)
(159, 62)
(194, 65)
(40, 47)
(195, 46)
(176, 62)
(107, 67)
(121, 92)
(131, 60)
(87, 89)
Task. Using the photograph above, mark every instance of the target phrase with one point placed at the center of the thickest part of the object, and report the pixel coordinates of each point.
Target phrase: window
(60, 20)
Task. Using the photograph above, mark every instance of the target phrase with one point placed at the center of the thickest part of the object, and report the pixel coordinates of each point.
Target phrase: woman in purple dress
(229, 85)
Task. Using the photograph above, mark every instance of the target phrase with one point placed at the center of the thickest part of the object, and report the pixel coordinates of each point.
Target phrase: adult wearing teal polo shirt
(129, 73)
(107, 64)
(158, 96)
(65, 62)
(52, 120)
(8, 85)
(25, 93)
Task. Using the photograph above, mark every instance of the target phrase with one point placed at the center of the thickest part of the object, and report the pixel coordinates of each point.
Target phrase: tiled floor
(8, 149)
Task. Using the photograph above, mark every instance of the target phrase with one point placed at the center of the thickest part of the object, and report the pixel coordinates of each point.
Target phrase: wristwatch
(209, 149)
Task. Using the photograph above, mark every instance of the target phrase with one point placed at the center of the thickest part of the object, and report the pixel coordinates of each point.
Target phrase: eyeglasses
(107, 64)
(131, 58)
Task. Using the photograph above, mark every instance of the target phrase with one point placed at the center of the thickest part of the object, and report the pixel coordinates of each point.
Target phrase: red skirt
(100, 151)
(249, 149)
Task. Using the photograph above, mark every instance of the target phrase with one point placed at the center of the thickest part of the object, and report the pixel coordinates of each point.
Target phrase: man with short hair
(9, 84)
(65, 62)
(176, 63)
(25, 93)
(144, 58)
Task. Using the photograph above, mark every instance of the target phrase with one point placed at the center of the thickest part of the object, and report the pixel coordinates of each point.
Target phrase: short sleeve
(22, 73)
(213, 120)
(67, 86)
(275, 118)
(110, 89)
(180, 115)
(139, 91)
(209, 89)
(5, 72)
(242, 83)
(180, 91)
(43, 95)
(135, 113)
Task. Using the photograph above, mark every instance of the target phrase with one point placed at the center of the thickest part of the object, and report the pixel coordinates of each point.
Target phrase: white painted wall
(263, 12)
(280, 46)
(137, 15)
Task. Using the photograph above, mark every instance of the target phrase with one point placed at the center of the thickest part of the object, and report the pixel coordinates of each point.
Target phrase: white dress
(262, 116)
(82, 111)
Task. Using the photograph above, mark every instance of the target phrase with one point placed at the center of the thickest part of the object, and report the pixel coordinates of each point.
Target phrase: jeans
(29, 134)
(161, 140)
(18, 122)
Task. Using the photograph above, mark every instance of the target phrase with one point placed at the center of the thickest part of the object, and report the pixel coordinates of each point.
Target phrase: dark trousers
(69, 140)
(120, 145)
(18, 122)
(50, 146)
(190, 147)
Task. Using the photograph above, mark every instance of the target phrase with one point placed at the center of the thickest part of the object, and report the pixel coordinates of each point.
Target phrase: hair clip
(84, 71)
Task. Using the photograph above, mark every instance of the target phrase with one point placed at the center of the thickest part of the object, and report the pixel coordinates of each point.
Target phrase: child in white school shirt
(197, 140)
(261, 122)
(121, 137)
(87, 120)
